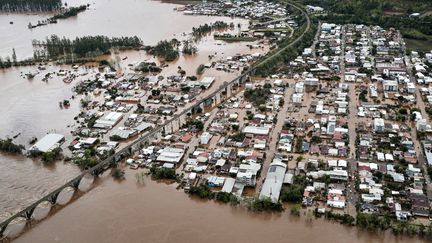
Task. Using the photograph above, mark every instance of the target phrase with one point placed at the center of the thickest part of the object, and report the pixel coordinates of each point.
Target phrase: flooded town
(209, 121)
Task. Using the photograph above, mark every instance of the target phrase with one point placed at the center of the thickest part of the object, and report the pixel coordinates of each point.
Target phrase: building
(256, 130)
(379, 125)
(274, 180)
(207, 82)
(48, 143)
(247, 173)
(421, 125)
(205, 138)
(335, 198)
(170, 155)
(390, 86)
(109, 121)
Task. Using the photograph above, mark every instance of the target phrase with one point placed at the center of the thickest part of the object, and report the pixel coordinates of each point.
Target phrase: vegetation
(362, 96)
(64, 14)
(202, 191)
(189, 48)
(295, 210)
(373, 221)
(8, 146)
(52, 156)
(288, 49)
(385, 13)
(55, 46)
(200, 69)
(341, 218)
(258, 96)
(148, 67)
(118, 174)
(203, 30)
(69, 12)
(163, 173)
(115, 138)
(230, 39)
(238, 137)
(29, 5)
(88, 159)
(165, 49)
(294, 192)
(199, 125)
(265, 204)
(226, 197)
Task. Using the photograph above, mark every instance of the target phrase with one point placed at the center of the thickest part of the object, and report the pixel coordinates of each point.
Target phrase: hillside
(386, 13)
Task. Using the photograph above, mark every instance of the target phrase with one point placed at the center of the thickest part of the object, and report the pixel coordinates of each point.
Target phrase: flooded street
(156, 212)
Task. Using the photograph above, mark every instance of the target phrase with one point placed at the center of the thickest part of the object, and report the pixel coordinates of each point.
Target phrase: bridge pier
(176, 124)
(216, 99)
(182, 120)
(136, 147)
(229, 90)
(76, 182)
(53, 198)
(29, 213)
(3, 229)
(168, 128)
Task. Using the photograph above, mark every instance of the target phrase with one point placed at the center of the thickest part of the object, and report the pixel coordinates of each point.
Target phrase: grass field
(420, 45)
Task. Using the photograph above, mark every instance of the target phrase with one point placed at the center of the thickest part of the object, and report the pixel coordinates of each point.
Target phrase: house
(247, 173)
(390, 86)
(335, 198)
(379, 125)
(205, 138)
(420, 204)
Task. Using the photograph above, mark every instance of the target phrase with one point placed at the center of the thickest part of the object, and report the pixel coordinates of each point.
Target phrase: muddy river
(156, 212)
(30, 108)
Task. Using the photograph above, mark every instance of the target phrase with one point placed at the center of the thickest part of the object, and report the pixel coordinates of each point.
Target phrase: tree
(292, 193)
(14, 56)
(8, 146)
(189, 48)
(118, 174)
(115, 138)
(295, 210)
(202, 191)
(265, 204)
(163, 173)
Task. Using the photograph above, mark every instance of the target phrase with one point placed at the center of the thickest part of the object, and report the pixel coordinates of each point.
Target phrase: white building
(390, 86)
(257, 130)
(170, 155)
(48, 143)
(274, 180)
(379, 125)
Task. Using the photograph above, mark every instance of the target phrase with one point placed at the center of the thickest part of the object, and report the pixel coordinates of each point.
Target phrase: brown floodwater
(156, 212)
(152, 21)
(30, 108)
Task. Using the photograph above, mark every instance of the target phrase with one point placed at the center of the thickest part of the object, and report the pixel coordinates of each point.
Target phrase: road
(420, 104)
(274, 136)
(281, 50)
